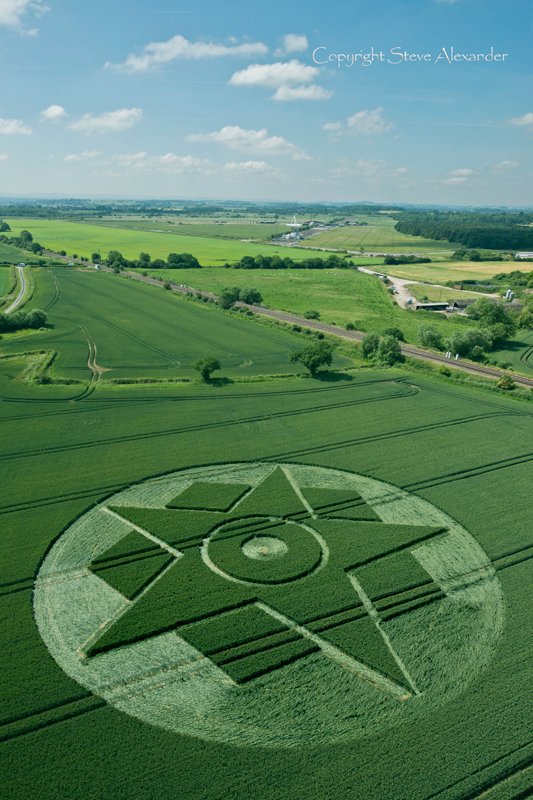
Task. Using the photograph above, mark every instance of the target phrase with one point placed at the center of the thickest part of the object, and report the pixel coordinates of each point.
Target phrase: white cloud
(53, 113)
(464, 172)
(3, 156)
(14, 127)
(281, 73)
(157, 53)
(506, 165)
(292, 43)
(525, 121)
(257, 141)
(455, 181)
(362, 123)
(368, 122)
(109, 121)
(13, 13)
(248, 166)
(289, 93)
(169, 163)
(83, 156)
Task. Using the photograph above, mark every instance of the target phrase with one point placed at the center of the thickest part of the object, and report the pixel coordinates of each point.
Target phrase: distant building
(524, 256)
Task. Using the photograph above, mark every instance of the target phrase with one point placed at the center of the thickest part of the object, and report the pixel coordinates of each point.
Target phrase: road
(18, 299)
(354, 336)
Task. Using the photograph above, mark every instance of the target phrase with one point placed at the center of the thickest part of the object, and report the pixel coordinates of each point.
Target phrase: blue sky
(241, 100)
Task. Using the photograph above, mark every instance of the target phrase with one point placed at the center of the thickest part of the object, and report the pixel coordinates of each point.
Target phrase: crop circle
(338, 605)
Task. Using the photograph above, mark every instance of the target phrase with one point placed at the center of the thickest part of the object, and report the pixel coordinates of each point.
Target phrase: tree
(115, 259)
(250, 296)
(206, 366)
(489, 314)
(228, 297)
(4, 227)
(316, 355)
(389, 351)
(96, 258)
(430, 337)
(397, 333)
(144, 259)
(312, 314)
(369, 345)
(471, 344)
(36, 318)
(182, 261)
(525, 319)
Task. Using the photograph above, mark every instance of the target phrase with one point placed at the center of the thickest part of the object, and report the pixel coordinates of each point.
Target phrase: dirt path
(22, 291)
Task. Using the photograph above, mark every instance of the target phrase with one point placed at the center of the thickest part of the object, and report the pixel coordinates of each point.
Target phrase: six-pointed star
(268, 575)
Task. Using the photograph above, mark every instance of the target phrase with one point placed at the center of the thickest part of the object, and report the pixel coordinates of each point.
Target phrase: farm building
(524, 256)
(462, 304)
(431, 306)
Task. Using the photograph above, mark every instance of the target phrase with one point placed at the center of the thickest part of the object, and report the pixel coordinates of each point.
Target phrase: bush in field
(312, 314)
(369, 345)
(314, 356)
(228, 297)
(389, 351)
(206, 366)
(397, 333)
(430, 337)
(506, 383)
(250, 296)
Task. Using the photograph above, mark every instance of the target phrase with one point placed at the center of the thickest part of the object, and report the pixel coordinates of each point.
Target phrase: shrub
(506, 383)
(312, 314)
(430, 337)
(396, 333)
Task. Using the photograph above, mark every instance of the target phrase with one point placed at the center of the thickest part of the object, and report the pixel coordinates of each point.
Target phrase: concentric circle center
(264, 548)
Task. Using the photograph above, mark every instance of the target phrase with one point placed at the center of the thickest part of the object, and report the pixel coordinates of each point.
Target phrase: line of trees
(117, 261)
(231, 295)
(24, 241)
(278, 262)
(406, 260)
(20, 320)
(494, 231)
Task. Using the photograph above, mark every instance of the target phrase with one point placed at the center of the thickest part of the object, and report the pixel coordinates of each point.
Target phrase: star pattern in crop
(256, 578)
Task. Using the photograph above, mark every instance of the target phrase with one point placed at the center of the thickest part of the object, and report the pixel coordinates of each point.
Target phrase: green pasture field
(378, 234)
(130, 330)
(227, 229)
(83, 239)
(436, 293)
(11, 255)
(340, 296)
(7, 280)
(464, 451)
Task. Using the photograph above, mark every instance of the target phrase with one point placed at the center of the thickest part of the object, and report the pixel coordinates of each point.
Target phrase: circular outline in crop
(166, 682)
